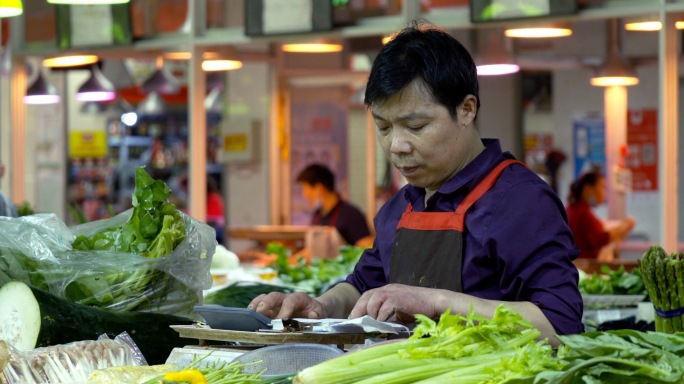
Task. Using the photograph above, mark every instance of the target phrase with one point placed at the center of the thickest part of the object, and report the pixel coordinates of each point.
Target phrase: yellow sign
(236, 142)
(87, 144)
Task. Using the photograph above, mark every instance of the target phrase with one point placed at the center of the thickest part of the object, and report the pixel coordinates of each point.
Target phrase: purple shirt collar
(471, 174)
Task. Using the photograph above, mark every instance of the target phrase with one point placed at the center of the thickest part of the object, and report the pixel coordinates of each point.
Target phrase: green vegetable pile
(613, 282)
(242, 293)
(154, 229)
(457, 349)
(664, 280)
(622, 356)
(314, 277)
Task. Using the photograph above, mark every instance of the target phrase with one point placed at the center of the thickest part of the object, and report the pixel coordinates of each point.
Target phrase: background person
(472, 227)
(318, 187)
(594, 238)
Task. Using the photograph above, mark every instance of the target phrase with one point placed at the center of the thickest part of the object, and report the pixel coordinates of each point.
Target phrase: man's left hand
(398, 302)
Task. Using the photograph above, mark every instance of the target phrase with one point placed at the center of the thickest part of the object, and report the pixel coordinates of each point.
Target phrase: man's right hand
(284, 306)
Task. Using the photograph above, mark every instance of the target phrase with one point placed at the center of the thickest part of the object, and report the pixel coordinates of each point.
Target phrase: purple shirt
(517, 245)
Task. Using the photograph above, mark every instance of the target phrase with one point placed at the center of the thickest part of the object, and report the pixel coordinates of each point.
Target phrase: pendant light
(41, 92)
(152, 105)
(648, 23)
(76, 2)
(493, 57)
(161, 81)
(10, 8)
(96, 88)
(614, 71)
(540, 30)
(70, 61)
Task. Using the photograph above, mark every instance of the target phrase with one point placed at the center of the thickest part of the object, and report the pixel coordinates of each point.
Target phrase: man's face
(311, 193)
(421, 138)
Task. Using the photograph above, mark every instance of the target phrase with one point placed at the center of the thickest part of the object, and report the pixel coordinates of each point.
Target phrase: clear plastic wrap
(37, 250)
(70, 363)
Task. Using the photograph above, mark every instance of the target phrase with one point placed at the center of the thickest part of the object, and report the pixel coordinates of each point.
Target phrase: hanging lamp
(41, 92)
(647, 23)
(10, 8)
(493, 57)
(152, 105)
(96, 88)
(88, 1)
(614, 71)
(540, 30)
(161, 81)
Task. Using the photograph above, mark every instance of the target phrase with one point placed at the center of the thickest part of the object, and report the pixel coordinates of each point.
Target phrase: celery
(467, 348)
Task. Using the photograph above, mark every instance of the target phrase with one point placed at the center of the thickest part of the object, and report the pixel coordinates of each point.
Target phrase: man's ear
(467, 110)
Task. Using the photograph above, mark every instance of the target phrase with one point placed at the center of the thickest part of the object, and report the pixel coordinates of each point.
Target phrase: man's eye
(417, 127)
(383, 129)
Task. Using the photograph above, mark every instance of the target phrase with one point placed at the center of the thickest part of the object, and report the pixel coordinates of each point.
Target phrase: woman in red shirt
(590, 233)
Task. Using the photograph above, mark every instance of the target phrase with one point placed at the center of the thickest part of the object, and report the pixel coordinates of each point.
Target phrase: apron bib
(428, 247)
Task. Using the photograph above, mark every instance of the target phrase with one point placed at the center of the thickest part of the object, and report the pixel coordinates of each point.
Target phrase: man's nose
(399, 144)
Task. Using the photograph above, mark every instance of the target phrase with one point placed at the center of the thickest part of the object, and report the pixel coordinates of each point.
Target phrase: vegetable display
(316, 276)
(622, 356)
(242, 293)
(51, 320)
(613, 282)
(664, 280)
(151, 258)
(457, 349)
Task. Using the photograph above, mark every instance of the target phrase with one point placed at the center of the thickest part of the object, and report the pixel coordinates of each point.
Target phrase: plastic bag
(37, 250)
(72, 362)
(129, 375)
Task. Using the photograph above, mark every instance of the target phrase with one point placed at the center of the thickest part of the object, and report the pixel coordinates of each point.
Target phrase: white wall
(247, 185)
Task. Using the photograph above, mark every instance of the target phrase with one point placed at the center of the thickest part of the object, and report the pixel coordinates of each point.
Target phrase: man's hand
(398, 302)
(284, 306)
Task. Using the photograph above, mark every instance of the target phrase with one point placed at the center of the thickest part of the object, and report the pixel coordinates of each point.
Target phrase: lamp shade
(41, 92)
(493, 58)
(614, 71)
(88, 1)
(152, 105)
(96, 88)
(539, 30)
(9, 8)
(161, 82)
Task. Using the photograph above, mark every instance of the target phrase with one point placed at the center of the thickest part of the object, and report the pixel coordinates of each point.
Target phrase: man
(318, 186)
(472, 227)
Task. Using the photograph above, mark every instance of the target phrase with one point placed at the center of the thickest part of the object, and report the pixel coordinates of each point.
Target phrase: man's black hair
(431, 54)
(315, 174)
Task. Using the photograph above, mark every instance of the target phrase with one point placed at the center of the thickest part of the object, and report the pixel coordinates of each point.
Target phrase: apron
(428, 247)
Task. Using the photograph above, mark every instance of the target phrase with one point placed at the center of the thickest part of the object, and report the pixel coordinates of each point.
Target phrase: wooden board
(204, 333)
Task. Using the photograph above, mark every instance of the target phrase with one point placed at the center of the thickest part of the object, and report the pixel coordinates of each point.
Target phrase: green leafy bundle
(613, 282)
(664, 280)
(457, 349)
(314, 277)
(622, 356)
(154, 229)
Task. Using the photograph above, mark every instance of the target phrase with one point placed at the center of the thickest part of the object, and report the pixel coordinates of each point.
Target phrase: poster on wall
(642, 144)
(589, 140)
(318, 135)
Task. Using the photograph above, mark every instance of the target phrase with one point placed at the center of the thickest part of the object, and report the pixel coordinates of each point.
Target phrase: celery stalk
(425, 371)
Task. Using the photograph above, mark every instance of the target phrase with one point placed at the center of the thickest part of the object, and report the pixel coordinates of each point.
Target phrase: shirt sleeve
(594, 231)
(534, 248)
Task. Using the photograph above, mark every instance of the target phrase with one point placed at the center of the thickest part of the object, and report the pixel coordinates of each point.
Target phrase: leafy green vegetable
(154, 229)
(613, 282)
(242, 293)
(456, 349)
(315, 277)
(624, 356)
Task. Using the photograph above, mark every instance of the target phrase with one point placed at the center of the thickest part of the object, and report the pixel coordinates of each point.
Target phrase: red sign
(642, 143)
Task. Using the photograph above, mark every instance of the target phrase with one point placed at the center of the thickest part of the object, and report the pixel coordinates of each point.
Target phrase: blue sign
(589, 139)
